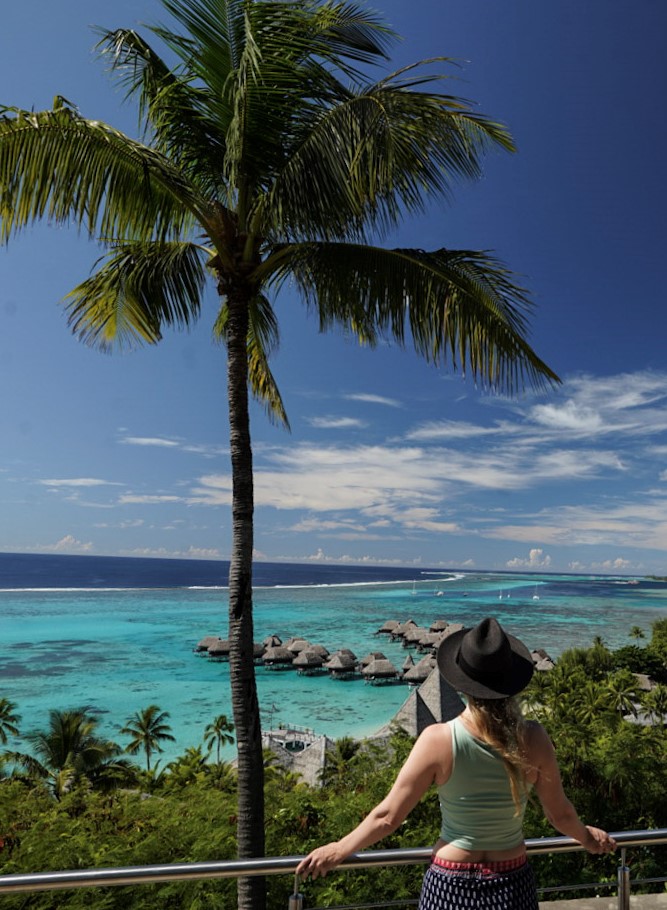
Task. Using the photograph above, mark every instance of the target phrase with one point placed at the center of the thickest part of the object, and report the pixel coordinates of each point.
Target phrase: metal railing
(284, 865)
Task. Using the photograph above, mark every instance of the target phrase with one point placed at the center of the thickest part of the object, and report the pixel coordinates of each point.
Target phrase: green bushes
(613, 771)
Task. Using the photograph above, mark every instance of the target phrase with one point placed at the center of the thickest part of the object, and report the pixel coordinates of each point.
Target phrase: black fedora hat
(485, 661)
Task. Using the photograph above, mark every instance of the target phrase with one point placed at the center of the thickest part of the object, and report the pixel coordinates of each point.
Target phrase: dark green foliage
(613, 771)
(641, 660)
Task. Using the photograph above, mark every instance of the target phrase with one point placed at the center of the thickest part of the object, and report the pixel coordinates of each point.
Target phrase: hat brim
(513, 681)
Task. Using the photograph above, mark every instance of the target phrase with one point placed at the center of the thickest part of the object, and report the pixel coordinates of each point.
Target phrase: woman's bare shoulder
(436, 733)
(535, 737)
(435, 745)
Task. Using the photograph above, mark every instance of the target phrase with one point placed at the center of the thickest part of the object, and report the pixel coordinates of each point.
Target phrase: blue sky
(389, 460)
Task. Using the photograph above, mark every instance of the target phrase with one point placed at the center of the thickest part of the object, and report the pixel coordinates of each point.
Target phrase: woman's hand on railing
(598, 841)
(320, 861)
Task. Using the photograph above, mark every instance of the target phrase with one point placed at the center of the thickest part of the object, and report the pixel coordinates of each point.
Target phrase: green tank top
(478, 812)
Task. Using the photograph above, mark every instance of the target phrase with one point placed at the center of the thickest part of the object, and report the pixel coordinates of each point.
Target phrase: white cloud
(336, 423)
(66, 544)
(452, 429)
(164, 442)
(164, 553)
(122, 525)
(157, 441)
(348, 559)
(619, 564)
(537, 559)
(78, 482)
(374, 399)
(139, 499)
(570, 416)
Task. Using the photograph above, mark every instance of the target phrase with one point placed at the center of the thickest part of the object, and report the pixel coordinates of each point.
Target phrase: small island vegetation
(70, 798)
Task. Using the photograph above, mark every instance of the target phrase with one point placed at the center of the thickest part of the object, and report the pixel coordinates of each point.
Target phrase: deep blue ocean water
(117, 634)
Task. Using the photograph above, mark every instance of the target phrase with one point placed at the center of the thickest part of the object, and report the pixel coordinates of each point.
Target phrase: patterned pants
(478, 889)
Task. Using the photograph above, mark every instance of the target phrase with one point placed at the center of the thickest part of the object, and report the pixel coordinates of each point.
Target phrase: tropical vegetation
(268, 155)
(613, 769)
(148, 729)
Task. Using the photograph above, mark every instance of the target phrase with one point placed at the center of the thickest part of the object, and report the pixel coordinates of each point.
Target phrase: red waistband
(486, 866)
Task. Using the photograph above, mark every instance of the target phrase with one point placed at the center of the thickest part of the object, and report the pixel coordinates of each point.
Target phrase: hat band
(478, 675)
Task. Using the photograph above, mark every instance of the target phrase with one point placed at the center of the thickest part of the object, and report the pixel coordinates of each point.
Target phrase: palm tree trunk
(245, 704)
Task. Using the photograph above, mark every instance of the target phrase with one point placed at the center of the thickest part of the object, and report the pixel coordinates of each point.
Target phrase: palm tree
(337, 762)
(623, 693)
(68, 751)
(269, 156)
(637, 632)
(654, 703)
(148, 728)
(218, 734)
(9, 720)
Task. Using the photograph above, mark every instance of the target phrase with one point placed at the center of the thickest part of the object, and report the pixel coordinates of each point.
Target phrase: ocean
(117, 634)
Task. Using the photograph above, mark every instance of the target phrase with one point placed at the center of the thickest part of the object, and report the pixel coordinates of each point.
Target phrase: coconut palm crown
(269, 155)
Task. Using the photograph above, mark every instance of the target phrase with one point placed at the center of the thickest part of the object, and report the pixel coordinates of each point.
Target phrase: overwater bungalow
(380, 671)
(278, 658)
(341, 665)
(308, 662)
(296, 645)
(429, 641)
(370, 657)
(388, 627)
(438, 625)
(402, 628)
(413, 636)
(219, 650)
(207, 642)
(321, 650)
(421, 671)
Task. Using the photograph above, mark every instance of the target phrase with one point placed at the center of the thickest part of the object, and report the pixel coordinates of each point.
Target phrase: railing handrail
(274, 865)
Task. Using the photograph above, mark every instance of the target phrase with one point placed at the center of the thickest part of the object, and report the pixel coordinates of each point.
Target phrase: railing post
(295, 901)
(623, 883)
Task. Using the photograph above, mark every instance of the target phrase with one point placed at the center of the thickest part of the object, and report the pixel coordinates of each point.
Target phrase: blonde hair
(502, 725)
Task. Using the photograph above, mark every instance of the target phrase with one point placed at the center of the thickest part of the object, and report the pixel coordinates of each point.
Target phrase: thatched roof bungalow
(296, 645)
(413, 635)
(341, 665)
(421, 671)
(308, 662)
(438, 625)
(388, 627)
(380, 670)
(400, 630)
(370, 657)
(207, 642)
(278, 658)
(429, 641)
(219, 650)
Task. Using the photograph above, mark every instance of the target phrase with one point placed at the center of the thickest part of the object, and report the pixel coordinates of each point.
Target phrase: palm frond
(139, 288)
(184, 122)
(263, 336)
(364, 158)
(461, 307)
(57, 165)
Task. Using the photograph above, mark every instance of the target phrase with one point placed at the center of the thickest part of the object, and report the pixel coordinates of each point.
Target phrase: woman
(483, 763)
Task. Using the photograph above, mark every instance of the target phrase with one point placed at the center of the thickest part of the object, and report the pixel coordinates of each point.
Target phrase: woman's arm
(557, 807)
(420, 770)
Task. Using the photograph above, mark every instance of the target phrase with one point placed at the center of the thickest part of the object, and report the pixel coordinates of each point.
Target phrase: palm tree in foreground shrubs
(69, 751)
(9, 720)
(219, 733)
(148, 729)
